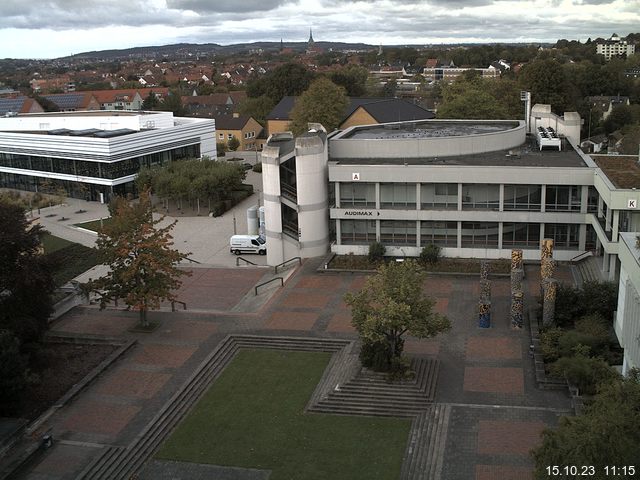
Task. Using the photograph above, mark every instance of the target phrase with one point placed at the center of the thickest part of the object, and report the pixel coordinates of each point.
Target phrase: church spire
(311, 37)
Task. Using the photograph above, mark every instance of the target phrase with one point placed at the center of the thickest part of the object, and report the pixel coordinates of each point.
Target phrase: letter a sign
(355, 177)
(632, 203)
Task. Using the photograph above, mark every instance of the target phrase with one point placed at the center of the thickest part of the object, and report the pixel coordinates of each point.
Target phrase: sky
(57, 28)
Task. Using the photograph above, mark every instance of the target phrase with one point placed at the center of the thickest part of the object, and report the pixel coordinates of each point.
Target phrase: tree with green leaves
(288, 79)
(353, 78)
(324, 102)
(25, 276)
(143, 266)
(151, 102)
(545, 78)
(233, 144)
(605, 434)
(391, 304)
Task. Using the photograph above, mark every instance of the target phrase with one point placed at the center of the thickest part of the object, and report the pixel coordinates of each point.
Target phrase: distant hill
(195, 49)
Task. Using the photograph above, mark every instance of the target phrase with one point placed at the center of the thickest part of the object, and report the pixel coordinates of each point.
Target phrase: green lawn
(94, 225)
(67, 258)
(252, 417)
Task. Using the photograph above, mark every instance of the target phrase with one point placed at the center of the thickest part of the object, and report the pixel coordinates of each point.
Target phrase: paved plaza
(486, 375)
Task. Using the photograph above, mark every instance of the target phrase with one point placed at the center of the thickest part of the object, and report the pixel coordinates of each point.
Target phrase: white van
(248, 243)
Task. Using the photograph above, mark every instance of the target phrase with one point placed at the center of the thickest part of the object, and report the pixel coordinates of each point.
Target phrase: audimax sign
(361, 213)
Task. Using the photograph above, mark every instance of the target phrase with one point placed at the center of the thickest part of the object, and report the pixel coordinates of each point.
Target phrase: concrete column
(312, 179)
(584, 199)
(418, 240)
(501, 203)
(543, 200)
(459, 234)
(378, 200)
(605, 262)
(459, 204)
(418, 197)
(541, 233)
(377, 230)
(272, 205)
(500, 229)
(338, 231)
(613, 267)
(337, 194)
(582, 237)
(615, 221)
(600, 205)
(607, 222)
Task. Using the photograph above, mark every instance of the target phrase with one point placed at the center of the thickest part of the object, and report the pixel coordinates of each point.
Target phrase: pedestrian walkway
(491, 413)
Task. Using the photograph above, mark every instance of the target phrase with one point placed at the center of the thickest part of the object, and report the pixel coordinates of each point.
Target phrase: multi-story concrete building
(627, 321)
(95, 154)
(615, 47)
(475, 188)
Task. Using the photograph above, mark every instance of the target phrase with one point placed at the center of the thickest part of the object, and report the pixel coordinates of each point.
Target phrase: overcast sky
(55, 28)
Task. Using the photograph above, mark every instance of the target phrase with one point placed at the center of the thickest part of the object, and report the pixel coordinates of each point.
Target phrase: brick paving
(164, 355)
(508, 437)
(486, 376)
(494, 380)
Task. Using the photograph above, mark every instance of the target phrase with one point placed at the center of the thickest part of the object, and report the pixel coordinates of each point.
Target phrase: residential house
(359, 111)
(241, 127)
(211, 106)
(606, 104)
(14, 105)
(74, 102)
(594, 144)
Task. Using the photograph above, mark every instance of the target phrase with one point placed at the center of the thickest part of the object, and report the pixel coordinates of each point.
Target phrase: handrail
(275, 270)
(244, 260)
(192, 260)
(267, 282)
(586, 254)
(173, 305)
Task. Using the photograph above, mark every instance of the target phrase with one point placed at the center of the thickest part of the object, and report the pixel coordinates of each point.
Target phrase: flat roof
(429, 129)
(527, 155)
(622, 170)
(91, 113)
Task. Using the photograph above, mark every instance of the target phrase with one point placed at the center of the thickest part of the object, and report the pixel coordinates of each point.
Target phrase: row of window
(445, 196)
(85, 168)
(445, 234)
(230, 135)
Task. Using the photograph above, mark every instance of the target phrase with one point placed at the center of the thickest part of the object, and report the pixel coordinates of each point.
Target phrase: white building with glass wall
(95, 154)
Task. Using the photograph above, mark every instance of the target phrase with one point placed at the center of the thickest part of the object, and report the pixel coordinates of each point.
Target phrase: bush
(430, 254)
(257, 168)
(376, 252)
(584, 372)
(549, 344)
(594, 297)
(379, 357)
(14, 374)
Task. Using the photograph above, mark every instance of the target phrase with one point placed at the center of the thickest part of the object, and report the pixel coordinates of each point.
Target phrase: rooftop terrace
(430, 129)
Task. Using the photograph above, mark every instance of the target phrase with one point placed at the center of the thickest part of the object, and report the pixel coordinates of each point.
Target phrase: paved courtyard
(486, 375)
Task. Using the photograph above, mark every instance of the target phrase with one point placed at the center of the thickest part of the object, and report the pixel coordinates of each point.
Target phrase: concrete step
(366, 411)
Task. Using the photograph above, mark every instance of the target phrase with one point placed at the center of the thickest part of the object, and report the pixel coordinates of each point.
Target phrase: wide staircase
(371, 393)
(587, 270)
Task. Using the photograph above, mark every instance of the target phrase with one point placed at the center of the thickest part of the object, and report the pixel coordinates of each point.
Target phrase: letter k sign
(632, 203)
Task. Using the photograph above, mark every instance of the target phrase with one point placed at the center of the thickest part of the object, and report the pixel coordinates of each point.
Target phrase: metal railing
(268, 282)
(275, 270)
(244, 260)
(581, 256)
(173, 305)
(192, 260)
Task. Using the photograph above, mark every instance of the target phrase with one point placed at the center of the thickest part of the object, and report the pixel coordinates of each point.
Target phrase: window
(398, 195)
(357, 194)
(480, 197)
(444, 234)
(565, 236)
(221, 136)
(357, 232)
(439, 196)
(398, 232)
(522, 197)
(561, 198)
(480, 234)
(525, 235)
(592, 200)
(230, 136)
